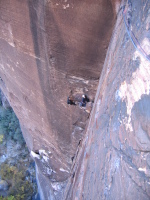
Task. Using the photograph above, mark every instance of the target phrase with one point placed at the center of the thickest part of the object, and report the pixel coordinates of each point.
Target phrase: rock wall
(48, 49)
(114, 161)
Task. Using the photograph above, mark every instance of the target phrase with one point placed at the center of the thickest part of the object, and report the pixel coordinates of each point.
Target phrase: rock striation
(48, 49)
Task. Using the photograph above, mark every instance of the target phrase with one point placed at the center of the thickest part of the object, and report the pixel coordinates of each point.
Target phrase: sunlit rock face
(48, 49)
(114, 161)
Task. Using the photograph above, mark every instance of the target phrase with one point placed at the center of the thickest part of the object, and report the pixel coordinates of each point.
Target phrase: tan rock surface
(114, 159)
(47, 49)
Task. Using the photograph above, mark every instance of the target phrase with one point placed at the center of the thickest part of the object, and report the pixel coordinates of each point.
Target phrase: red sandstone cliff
(114, 162)
(47, 49)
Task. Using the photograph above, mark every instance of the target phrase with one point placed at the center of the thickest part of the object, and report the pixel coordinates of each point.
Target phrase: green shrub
(1, 138)
(9, 125)
(22, 190)
(8, 198)
(7, 172)
(18, 136)
(19, 187)
(11, 198)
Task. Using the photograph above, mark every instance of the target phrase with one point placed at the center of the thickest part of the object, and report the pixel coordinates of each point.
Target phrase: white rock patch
(34, 155)
(63, 170)
(140, 83)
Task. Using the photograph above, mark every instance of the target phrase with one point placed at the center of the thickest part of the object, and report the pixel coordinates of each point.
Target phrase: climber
(84, 100)
(70, 101)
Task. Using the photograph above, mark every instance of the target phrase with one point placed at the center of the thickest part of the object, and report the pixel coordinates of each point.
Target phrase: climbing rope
(133, 39)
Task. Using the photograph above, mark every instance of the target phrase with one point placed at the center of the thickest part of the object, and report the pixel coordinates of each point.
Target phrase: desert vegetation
(17, 170)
